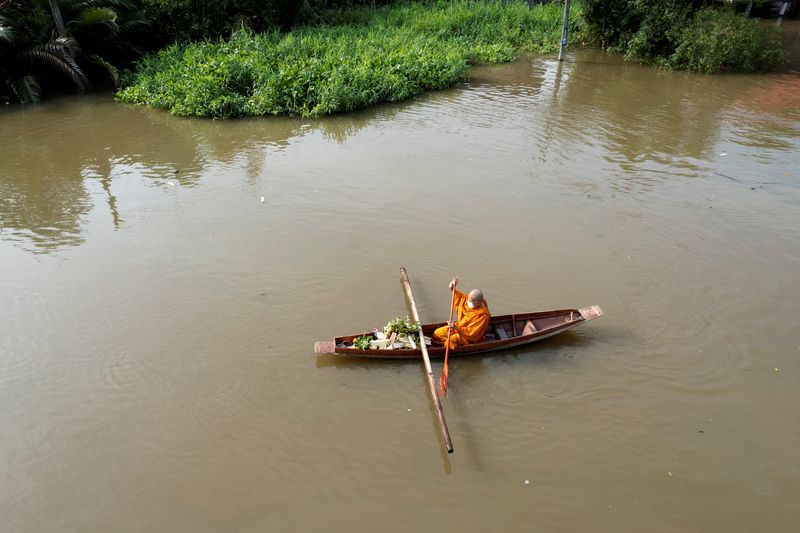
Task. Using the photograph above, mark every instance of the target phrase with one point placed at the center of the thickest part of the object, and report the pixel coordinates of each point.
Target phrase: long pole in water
(437, 402)
(564, 31)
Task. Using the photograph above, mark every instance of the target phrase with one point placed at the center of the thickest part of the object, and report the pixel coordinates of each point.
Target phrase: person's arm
(459, 299)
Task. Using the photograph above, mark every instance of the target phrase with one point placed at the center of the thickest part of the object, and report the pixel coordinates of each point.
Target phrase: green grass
(361, 57)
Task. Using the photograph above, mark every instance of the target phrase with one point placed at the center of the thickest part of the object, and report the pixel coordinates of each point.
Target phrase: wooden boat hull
(505, 331)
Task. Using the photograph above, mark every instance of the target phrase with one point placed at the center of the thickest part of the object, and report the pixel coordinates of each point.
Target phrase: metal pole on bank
(564, 31)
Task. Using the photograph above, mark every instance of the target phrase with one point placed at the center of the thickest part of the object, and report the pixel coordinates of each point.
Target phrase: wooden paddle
(443, 380)
(437, 403)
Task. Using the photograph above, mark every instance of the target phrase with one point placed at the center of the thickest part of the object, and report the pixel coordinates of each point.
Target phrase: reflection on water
(47, 214)
(50, 152)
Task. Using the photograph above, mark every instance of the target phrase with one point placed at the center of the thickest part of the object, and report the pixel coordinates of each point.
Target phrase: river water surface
(158, 318)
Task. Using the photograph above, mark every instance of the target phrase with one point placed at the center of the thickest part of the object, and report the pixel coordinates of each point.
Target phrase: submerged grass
(360, 57)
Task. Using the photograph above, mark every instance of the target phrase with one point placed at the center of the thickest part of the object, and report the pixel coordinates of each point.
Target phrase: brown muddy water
(156, 344)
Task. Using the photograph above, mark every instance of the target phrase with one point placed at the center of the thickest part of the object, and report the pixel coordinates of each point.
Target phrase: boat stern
(324, 347)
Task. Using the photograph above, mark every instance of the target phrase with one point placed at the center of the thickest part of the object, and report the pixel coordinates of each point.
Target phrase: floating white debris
(723, 154)
(670, 474)
(263, 199)
(409, 409)
(527, 481)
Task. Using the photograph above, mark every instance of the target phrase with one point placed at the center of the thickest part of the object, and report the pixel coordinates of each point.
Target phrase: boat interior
(508, 326)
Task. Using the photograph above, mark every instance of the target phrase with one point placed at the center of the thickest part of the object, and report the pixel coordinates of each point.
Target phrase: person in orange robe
(472, 312)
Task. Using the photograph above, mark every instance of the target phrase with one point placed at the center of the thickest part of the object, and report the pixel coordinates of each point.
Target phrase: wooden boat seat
(529, 328)
(500, 332)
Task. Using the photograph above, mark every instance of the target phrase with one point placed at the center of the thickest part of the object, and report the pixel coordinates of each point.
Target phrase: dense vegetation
(180, 20)
(311, 57)
(71, 42)
(367, 56)
(702, 35)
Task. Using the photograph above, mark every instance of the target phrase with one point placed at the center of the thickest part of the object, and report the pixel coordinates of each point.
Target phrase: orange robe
(470, 325)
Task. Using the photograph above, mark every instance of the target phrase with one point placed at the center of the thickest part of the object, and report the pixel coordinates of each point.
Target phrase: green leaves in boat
(397, 334)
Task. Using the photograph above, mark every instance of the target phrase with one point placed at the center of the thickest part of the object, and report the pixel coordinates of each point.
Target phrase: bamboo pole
(437, 402)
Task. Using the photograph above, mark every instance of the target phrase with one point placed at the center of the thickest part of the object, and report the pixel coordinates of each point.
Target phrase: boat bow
(591, 312)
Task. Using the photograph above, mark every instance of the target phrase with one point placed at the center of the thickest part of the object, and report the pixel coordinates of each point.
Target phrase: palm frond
(6, 30)
(26, 89)
(95, 16)
(132, 22)
(117, 4)
(113, 72)
(59, 57)
(29, 44)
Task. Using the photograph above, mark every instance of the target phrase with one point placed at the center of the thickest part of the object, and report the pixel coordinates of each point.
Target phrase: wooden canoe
(505, 331)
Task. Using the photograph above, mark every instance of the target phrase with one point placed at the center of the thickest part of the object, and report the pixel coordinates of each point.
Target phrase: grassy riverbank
(361, 57)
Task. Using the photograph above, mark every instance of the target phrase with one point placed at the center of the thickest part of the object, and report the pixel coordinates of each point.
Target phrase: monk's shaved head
(476, 297)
